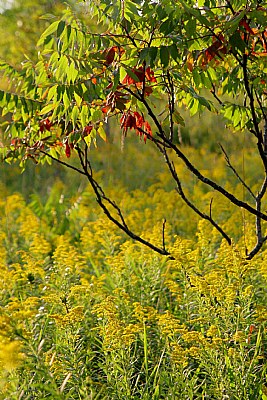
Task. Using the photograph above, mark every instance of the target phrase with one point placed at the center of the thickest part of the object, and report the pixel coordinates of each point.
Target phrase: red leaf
(127, 121)
(141, 75)
(216, 49)
(147, 128)
(105, 109)
(139, 120)
(45, 124)
(87, 130)
(110, 55)
(67, 149)
(150, 75)
(244, 23)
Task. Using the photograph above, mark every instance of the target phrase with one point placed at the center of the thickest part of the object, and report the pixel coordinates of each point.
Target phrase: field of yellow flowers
(85, 313)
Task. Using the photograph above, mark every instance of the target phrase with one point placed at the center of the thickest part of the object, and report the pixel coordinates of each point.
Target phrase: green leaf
(78, 99)
(116, 81)
(63, 67)
(196, 13)
(53, 152)
(174, 51)
(233, 23)
(164, 56)
(167, 27)
(47, 16)
(51, 93)
(66, 99)
(177, 118)
(88, 139)
(190, 27)
(60, 28)
(51, 29)
(72, 73)
(47, 109)
(96, 115)
(237, 43)
(74, 116)
(84, 115)
(149, 55)
(102, 133)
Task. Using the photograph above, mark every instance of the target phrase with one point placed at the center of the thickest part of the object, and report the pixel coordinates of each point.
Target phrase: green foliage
(82, 78)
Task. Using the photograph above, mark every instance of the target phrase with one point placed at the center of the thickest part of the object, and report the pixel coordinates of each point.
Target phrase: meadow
(86, 313)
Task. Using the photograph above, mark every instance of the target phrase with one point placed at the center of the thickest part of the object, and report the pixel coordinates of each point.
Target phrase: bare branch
(265, 123)
(253, 112)
(230, 7)
(185, 198)
(101, 198)
(213, 92)
(236, 173)
(163, 233)
(257, 247)
(171, 103)
(62, 162)
(233, 199)
(211, 201)
(213, 184)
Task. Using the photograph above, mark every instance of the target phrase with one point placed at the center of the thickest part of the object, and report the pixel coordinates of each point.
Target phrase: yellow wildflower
(143, 313)
(74, 316)
(169, 325)
(179, 355)
(10, 355)
(193, 337)
(212, 331)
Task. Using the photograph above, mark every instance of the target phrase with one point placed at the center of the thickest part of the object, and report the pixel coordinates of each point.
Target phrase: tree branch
(185, 198)
(101, 198)
(62, 162)
(236, 173)
(253, 112)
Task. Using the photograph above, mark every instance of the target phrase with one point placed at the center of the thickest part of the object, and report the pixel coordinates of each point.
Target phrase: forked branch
(229, 164)
(102, 199)
(183, 196)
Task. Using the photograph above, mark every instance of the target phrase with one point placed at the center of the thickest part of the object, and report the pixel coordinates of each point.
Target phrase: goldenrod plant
(86, 313)
(206, 55)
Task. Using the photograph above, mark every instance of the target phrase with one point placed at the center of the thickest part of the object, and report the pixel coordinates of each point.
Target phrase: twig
(62, 162)
(236, 173)
(253, 112)
(101, 197)
(171, 103)
(163, 233)
(230, 7)
(265, 123)
(213, 92)
(186, 200)
(233, 199)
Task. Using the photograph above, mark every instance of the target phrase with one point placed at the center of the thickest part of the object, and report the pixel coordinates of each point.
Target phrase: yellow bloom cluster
(74, 316)
(11, 355)
(116, 334)
(97, 298)
(143, 313)
(169, 325)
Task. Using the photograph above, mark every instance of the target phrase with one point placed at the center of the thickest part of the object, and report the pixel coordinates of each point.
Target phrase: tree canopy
(205, 55)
